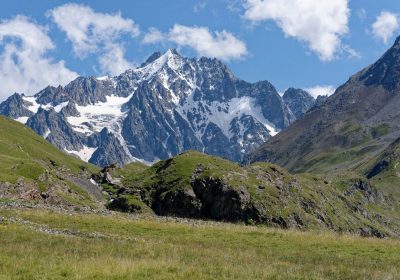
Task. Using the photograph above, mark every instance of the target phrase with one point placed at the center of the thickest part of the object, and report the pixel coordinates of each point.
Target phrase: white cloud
(113, 60)
(91, 32)
(153, 36)
(24, 63)
(385, 26)
(321, 90)
(222, 45)
(320, 24)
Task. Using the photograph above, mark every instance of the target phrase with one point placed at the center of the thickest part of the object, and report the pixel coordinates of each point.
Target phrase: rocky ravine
(168, 105)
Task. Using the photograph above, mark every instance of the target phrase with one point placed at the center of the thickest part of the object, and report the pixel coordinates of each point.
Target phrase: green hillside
(33, 169)
(198, 186)
(65, 243)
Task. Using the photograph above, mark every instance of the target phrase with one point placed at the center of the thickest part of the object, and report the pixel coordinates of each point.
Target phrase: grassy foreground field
(43, 244)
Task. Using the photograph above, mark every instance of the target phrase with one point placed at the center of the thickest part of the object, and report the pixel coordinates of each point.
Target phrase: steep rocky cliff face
(168, 105)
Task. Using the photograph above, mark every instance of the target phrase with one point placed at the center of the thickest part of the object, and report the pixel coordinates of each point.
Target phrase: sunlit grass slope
(83, 246)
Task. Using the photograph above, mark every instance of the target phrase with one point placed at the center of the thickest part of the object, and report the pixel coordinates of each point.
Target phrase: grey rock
(109, 150)
(15, 107)
(320, 100)
(299, 101)
(56, 129)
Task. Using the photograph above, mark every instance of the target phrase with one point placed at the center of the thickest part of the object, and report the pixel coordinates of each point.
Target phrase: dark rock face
(82, 91)
(320, 100)
(151, 58)
(378, 168)
(168, 105)
(364, 188)
(182, 203)
(220, 202)
(386, 72)
(15, 107)
(109, 149)
(70, 110)
(347, 120)
(299, 101)
(55, 129)
(207, 199)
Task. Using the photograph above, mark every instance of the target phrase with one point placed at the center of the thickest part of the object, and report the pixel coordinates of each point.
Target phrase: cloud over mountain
(385, 25)
(25, 46)
(320, 24)
(91, 32)
(222, 44)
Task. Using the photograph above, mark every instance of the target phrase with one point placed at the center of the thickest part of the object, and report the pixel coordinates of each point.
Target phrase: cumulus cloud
(385, 26)
(321, 90)
(153, 36)
(320, 24)
(222, 44)
(24, 63)
(113, 60)
(95, 33)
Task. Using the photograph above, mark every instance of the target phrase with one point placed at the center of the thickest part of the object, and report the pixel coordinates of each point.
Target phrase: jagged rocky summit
(166, 106)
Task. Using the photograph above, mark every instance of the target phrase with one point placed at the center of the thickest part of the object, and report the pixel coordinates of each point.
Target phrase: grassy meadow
(43, 244)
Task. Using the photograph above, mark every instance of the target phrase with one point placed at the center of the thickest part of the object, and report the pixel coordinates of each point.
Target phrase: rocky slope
(199, 186)
(356, 123)
(34, 171)
(168, 105)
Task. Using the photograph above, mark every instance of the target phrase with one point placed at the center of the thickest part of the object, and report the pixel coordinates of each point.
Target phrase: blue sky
(295, 43)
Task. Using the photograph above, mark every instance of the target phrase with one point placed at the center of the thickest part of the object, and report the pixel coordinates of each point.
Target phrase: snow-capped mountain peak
(166, 106)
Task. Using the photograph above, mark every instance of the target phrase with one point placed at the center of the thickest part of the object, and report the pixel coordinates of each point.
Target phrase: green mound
(196, 185)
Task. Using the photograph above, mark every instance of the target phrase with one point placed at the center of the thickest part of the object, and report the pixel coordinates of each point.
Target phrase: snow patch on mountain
(95, 117)
(84, 154)
(34, 106)
(222, 114)
(22, 120)
(103, 78)
(151, 69)
(46, 134)
(59, 107)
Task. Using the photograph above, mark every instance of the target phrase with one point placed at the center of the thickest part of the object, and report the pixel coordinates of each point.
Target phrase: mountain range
(342, 151)
(35, 173)
(168, 105)
(357, 123)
